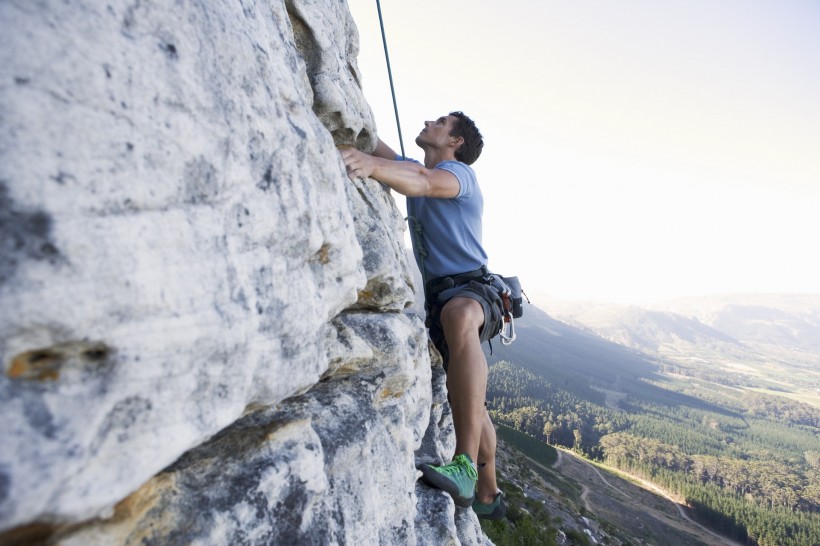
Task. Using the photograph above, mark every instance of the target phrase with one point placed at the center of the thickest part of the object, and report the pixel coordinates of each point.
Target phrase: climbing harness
(504, 294)
(390, 77)
(510, 291)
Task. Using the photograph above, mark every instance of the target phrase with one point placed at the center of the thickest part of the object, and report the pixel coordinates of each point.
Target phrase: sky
(635, 151)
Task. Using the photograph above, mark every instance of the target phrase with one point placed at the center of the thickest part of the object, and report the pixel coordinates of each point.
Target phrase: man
(445, 205)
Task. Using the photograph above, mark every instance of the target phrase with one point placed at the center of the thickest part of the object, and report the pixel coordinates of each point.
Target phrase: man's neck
(433, 157)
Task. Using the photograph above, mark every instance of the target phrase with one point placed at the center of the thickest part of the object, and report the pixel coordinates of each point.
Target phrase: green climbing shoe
(494, 510)
(457, 478)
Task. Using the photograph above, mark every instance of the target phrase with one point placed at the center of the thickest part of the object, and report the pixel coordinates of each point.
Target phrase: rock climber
(445, 206)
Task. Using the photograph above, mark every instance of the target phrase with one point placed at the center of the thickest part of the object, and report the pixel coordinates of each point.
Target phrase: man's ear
(456, 141)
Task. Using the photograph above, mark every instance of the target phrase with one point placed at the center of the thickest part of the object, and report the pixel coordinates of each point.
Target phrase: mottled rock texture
(203, 323)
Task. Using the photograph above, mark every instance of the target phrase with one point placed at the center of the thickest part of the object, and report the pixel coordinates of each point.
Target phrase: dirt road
(628, 503)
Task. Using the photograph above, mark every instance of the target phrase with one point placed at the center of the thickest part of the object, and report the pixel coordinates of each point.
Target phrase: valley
(726, 421)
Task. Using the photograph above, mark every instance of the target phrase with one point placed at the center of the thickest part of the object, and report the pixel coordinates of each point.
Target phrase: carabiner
(507, 339)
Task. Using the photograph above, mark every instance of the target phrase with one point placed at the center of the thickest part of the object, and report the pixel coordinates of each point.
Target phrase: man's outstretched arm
(406, 177)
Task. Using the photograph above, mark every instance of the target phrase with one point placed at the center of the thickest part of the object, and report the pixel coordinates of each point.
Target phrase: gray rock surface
(202, 323)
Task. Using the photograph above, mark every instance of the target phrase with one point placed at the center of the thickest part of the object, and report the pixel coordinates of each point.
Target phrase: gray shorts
(484, 294)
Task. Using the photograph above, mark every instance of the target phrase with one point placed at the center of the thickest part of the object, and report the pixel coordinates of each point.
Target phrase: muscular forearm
(405, 177)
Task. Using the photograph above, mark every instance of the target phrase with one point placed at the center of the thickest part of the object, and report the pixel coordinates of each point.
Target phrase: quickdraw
(509, 321)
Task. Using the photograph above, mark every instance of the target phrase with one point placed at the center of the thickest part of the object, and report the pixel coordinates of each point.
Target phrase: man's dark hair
(465, 128)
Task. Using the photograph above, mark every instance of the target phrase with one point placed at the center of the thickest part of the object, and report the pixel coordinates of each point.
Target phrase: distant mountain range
(786, 321)
(752, 340)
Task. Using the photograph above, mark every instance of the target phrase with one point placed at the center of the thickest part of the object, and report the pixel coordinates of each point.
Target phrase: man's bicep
(443, 184)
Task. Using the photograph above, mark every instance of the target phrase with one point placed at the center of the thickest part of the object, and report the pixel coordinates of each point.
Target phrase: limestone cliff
(203, 322)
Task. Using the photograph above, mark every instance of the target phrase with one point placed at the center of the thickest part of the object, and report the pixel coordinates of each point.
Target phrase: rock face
(203, 322)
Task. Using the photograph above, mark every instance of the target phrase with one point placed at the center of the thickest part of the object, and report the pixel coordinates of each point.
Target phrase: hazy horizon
(746, 297)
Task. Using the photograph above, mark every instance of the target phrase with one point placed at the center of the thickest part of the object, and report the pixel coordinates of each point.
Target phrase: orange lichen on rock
(41, 364)
(45, 364)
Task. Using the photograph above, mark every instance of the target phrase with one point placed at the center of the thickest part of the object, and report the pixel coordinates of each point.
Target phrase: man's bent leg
(461, 320)
(467, 372)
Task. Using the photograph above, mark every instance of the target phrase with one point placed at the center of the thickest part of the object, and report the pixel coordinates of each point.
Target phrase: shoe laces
(461, 464)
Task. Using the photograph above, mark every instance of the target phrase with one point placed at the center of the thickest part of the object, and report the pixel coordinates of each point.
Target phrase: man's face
(436, 133)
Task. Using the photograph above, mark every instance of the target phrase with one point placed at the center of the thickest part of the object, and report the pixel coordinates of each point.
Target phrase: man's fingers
(354, 163)
(350, 159)
(352, 173)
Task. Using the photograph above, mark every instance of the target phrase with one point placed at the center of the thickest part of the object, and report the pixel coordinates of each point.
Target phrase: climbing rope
(421, 251)
(390, 77)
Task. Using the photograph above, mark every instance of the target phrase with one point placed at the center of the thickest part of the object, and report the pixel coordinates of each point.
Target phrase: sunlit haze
(634, 151)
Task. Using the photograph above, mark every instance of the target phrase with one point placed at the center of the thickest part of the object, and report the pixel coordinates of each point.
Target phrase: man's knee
(462, 313)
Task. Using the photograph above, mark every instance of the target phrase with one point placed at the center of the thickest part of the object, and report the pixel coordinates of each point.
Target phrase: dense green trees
(782, 409)
(522, 400)
(748, 464)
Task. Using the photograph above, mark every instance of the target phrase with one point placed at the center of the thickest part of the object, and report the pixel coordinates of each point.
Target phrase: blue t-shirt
(451, 227)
